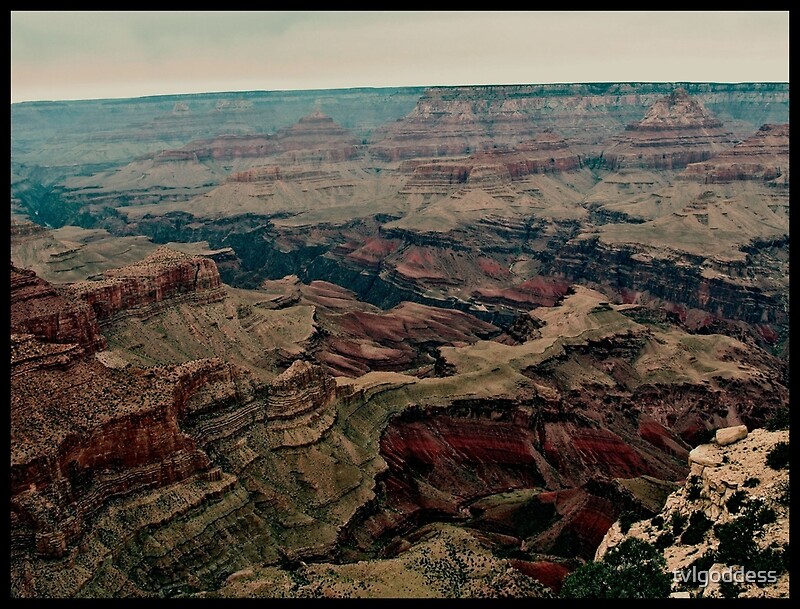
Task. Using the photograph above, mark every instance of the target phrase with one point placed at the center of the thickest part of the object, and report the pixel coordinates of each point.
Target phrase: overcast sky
(88, 55)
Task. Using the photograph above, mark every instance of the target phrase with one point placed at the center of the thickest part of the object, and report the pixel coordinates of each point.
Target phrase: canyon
(391, 342)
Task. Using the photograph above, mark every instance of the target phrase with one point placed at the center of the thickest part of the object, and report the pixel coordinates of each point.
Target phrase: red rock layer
(396, 340)
(764, 156)
(83, 434)
(164, 275)
(536, 292)
(547, 153)
(676, 131)
(551, 574)
(51, 314)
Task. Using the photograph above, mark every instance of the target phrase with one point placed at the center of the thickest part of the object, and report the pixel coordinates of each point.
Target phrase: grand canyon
(391, 342)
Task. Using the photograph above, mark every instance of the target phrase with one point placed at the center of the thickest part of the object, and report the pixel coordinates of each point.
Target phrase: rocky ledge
(139, 288)
(731, 517)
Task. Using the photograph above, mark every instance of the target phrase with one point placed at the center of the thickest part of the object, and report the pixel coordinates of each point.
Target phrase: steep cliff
(50, 314)
(164, 275)
(724, 534)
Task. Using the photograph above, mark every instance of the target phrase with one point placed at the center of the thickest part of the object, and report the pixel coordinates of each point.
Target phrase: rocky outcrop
(730, 518)
(491, 169)
(314, 137)
(454, 121)
(677, 278)
(139, 289)
(299, 406)
(51, 314)
(537, 292)
(317, 137)
(405, 338)
(118, 434)
(676, 131)
(763, 156)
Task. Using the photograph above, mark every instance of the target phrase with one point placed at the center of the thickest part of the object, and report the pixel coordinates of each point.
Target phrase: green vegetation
(677, 522)
(665, 540)
(736, 501)
(626, 519)
(729, 589)
(658, 521)
(633, 569)
(778, 456)
(699, 523)
(737, 545)
(778, 421)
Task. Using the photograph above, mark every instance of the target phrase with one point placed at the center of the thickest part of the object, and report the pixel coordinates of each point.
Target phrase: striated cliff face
(546, 153)
(676, 278)
(453, 121)
(50, 314)
(299, 406)
(412, 381)
(139, 288)
(763, 156)
(731, 516)
(119, 434)
(677, 130)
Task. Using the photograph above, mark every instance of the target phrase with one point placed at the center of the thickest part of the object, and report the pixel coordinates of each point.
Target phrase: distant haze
(91, 55)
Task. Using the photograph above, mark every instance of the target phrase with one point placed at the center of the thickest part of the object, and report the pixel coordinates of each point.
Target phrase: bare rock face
(677, 130)
(489, 169)
(704, 456)
(764, 156)
(139, 288)
(317, 137)
(51, 314)
(299, 407)
(84, 434)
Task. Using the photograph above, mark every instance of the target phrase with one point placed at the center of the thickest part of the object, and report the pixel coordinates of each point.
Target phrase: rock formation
(736, 506)
(676, 131)
(354, 355)
(764, 156)
(165, 274)
(51, 315)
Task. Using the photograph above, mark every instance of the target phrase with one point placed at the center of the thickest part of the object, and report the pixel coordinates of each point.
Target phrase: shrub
(737, 545)
(751, 482)
(696, 531)
(778, 421)
(729, 589)
(626, 519)
(633, 569)
(778, 456)
(735, 502)
(664, 540)
(677, 522)
(658, 521)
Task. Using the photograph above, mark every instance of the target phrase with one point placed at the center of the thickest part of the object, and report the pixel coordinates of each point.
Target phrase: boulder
(729, 435)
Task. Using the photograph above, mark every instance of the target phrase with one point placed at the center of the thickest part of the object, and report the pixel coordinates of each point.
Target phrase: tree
(632, 569)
